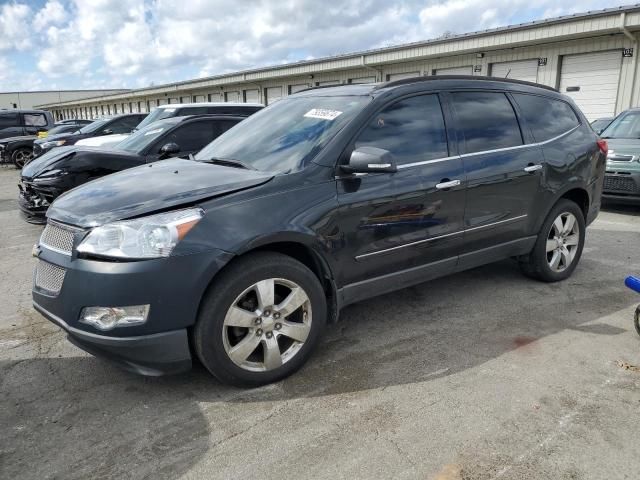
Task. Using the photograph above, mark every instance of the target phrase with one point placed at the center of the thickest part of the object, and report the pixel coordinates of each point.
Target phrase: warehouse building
(28, 100)
(592, 57)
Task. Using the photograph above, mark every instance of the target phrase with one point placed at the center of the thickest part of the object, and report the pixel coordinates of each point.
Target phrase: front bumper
(621, 185)
(34, 202)
(172, 286)
(153, 355)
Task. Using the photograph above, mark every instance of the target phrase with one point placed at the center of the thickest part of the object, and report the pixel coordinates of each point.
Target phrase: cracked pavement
(482, 375)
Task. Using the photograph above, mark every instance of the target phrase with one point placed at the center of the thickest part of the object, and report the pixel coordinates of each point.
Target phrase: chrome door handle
(443, 185)
(532, 168)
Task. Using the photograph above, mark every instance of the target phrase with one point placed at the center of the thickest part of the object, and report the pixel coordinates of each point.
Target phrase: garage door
(297, 88)
(455, 71)
(362, 80)
(521, 70)
(401, 76)
(252, 96)
(273, 94)
(592, 81)
(232, 97)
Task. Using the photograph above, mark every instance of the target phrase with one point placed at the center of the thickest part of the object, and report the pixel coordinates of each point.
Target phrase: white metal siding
(273, 94)
(232, 96)
(400, 76)
(520, 70)
(596, 75)
(455, 71)
(199, 98)
(363, 80)
(252, 96)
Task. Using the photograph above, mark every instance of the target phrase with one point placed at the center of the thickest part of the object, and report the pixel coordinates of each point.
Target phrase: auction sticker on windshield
(322, 114)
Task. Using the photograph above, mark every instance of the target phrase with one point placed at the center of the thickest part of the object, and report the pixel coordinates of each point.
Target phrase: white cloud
(53, 13)
(14, 26)
(136, 42)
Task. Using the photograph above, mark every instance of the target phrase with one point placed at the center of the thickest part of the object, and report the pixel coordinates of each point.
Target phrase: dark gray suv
(242, 255)
(16, 123)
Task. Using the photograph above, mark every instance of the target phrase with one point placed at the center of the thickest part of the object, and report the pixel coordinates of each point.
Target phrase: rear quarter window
(546, 117)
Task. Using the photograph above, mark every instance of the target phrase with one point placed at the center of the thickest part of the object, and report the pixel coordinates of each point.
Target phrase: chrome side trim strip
(426, 162)
(431, 239)
(385, 250)
(484, 152)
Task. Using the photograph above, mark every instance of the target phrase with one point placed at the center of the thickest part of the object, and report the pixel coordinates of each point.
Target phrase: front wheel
(21, 156)
(558, 248)
(260, 320)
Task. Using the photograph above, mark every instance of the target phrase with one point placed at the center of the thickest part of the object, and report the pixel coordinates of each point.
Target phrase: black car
(105, 126)
(325, 198)
(17, 123)
(55, 172)
(212, 108)
(19, 150)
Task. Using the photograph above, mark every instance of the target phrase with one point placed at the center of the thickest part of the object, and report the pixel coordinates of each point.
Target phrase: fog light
(108, 318)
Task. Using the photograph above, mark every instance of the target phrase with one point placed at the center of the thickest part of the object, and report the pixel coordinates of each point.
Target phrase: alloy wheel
(21, 158)
(562, 242)
(267, 325)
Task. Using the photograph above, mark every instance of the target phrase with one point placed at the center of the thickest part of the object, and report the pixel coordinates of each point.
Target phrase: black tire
(21, 156)
(210, 329)
(636, 320)
(536, 264)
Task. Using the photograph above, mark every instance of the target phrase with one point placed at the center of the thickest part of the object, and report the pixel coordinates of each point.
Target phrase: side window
(35, 120)
(486, 120)
(191, 137)
(123, 125)
(546, 117)
(412, 130)
(9, 120)
(221, 126)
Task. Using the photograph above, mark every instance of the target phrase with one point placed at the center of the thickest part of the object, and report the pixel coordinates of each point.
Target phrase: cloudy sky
(58, 44)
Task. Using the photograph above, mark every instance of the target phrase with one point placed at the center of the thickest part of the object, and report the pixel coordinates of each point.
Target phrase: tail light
(603, 146)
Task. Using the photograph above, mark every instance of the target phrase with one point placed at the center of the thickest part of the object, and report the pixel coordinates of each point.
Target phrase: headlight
(53, 143)
(55, 173)
(149, 237)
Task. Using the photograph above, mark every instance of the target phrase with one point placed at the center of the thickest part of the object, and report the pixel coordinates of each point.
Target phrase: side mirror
(370, 160)
(169, 149)
(107, 131)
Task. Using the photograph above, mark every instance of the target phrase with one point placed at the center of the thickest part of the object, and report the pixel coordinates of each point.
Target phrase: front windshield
(94, 126)
(141, 139)
(287, 134)
(155, 115)
(63, 129)
(625, 126)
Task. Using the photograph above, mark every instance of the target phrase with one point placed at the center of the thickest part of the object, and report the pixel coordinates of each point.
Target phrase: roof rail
(406, 81)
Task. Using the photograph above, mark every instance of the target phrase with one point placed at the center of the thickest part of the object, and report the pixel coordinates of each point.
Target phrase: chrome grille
(57, 238)
(49, 277)
(620, 184)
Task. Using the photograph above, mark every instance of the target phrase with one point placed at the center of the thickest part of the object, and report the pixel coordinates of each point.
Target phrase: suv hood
(60, 136)
(624, 146)
(18, 138)
(54, 158)
(150, 188)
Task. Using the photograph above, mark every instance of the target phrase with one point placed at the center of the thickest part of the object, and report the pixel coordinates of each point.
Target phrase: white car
(103, 140)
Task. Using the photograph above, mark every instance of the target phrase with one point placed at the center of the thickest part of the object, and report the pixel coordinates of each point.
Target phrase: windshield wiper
(228, 163)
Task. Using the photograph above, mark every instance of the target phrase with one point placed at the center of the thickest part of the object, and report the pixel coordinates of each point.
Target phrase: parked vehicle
(68, 126)
(622, 179)
(17, 123)
(105, 126)
(325, 198)
(59, 170)
(104, 141)
(600, 124)
(213, 108)
(19, 150)
(634, 284)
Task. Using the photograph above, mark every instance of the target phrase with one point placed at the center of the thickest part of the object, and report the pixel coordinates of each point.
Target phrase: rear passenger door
(10, 125)
(34, 122)
(403, 222)
(503, 169)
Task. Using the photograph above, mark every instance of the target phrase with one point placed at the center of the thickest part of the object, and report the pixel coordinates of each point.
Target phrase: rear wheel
(260, 320)
(21, 156)
(558, 248)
